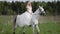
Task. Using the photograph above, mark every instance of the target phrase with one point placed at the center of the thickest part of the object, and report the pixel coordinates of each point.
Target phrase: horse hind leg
(14, 26)
(37, 29)
(23, 31)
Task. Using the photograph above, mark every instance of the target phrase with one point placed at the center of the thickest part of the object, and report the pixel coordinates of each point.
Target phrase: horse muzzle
(43, 14)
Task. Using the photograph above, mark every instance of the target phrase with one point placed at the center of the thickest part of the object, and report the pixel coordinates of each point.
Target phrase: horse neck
(36, 14)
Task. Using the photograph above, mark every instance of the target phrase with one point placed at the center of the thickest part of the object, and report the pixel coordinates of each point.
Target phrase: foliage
(13, 8)
(50, 27)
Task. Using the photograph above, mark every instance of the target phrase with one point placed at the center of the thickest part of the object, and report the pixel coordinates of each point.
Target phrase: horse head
(41, 11)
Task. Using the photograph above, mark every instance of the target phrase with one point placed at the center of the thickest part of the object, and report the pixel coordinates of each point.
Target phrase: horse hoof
(13, 32)
(37, 32)
(23, 32)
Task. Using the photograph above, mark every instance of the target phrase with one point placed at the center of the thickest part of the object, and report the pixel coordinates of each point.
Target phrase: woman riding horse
(29, 7)
(28, 18)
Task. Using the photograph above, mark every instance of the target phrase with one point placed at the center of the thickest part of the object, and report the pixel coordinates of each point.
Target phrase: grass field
(49, 27)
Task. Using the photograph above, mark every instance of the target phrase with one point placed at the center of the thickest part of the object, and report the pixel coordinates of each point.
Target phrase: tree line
(13, 8)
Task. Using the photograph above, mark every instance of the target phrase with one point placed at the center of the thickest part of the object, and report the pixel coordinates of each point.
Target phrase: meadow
(48, 27)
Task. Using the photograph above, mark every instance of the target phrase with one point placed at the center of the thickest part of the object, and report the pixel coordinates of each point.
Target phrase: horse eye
(40, 9)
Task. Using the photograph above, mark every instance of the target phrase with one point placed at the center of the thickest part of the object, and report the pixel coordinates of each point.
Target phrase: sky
(28, 0)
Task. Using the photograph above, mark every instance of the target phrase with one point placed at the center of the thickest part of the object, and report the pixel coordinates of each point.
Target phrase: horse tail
(14, 25)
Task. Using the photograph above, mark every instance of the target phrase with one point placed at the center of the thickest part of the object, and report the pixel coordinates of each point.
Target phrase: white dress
(29, 9)
(24, 19)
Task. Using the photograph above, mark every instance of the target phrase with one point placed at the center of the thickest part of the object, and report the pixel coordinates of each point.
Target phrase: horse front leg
(33, 28)
(37, 28)
(23, 31)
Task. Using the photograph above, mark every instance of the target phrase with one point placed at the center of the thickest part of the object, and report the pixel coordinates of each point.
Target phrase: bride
(26, 17)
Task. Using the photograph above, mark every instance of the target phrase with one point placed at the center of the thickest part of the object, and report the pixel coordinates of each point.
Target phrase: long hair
(28, 4)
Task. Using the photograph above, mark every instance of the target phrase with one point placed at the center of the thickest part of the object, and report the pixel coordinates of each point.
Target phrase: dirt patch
(44, 19)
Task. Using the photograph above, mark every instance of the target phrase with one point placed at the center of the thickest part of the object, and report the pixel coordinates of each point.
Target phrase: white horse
(27, 19)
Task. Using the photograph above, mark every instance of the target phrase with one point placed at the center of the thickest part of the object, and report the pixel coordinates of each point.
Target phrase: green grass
(6, 27)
